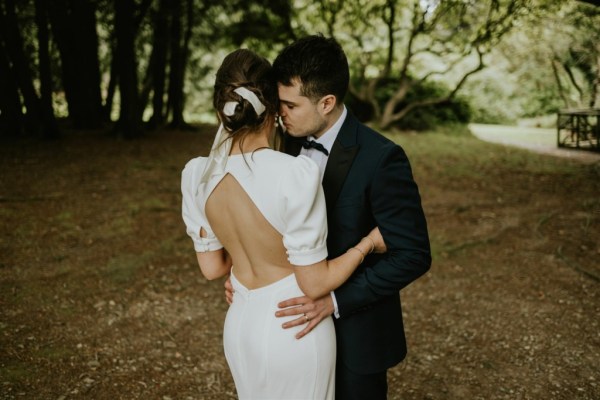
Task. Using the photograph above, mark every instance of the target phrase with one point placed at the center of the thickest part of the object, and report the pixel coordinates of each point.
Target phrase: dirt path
(538, 140)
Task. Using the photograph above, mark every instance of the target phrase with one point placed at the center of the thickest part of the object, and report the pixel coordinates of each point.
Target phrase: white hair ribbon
(252, 99)
(229, 108)
(217, 159)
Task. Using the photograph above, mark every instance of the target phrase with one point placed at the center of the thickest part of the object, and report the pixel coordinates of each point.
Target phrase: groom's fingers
(229, 297)
(293, 302)
(228, 291)
(313, 322)
(295, 322)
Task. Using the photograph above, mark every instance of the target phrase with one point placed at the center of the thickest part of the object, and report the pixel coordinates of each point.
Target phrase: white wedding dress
(267, 361)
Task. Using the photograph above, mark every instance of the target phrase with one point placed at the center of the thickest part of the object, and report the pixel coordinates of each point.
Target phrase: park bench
(579, 129)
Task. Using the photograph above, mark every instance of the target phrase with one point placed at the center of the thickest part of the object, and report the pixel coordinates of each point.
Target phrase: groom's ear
(328, 103)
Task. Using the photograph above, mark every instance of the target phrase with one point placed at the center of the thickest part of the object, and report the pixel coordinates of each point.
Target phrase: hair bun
(256, 97)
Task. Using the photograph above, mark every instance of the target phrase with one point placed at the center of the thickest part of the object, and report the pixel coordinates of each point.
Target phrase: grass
(15, 372)
(522, 134)
(454, 156)
(123, 269)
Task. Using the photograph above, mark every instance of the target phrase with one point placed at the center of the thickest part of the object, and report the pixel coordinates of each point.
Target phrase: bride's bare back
(256, 248)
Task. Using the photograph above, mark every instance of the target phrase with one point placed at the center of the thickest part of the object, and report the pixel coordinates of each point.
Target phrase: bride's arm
(213, 259)
(304, 211)
(319, 279)
(213, 264)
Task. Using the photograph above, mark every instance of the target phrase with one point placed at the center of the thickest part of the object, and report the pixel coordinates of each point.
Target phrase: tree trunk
(130, 123)
(74, 27)
(114, 64)
(49, 125)
(559, 86)
(177, 66)
(596, 82)
(185, 51)
(158, 65)
(112, 83)
(20, 67)
(11, 116)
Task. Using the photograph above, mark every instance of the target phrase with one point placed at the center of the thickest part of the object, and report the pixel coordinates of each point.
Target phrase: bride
(259, 215)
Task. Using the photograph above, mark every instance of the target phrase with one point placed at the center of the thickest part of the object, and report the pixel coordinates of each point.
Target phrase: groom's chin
(294, 134)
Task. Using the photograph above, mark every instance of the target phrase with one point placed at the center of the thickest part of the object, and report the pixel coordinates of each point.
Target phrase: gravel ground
(100, 296)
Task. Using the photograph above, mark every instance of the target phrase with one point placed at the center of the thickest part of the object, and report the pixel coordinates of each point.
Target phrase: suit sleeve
(396, 207)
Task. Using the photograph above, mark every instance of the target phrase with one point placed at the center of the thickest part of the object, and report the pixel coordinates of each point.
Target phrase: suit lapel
(340, 160)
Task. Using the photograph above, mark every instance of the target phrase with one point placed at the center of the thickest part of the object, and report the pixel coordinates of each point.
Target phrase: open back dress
(267, 361)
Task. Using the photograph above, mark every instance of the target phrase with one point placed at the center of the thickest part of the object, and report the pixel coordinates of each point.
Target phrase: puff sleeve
(303, 212)
(191, 211)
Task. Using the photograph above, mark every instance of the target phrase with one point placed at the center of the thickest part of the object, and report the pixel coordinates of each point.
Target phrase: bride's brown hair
(244, 68)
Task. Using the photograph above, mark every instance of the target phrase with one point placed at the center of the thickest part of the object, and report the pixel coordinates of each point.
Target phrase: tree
(73, 24)
(550, 62)
(129, 123)
(49, 124)
(577, 66)
(178, 51)
(11, 114)
(156, 76)
(414, 42)
(19, 67)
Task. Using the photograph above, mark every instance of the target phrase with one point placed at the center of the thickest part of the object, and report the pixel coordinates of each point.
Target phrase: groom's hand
(228, 291)
(311, 311)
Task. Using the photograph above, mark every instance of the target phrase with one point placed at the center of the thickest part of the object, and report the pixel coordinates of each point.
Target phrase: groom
(368, 182)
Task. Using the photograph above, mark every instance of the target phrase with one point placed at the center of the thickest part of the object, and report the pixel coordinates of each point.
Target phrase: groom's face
(300, 116)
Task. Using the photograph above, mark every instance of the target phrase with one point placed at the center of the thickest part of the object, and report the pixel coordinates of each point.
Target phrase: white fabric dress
(267, 361)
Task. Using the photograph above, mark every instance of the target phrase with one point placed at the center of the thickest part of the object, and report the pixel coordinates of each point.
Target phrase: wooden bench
(579, 129)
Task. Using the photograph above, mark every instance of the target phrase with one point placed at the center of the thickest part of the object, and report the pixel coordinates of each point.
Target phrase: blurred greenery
(415, 64)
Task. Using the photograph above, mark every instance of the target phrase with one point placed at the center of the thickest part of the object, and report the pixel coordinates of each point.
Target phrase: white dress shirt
(327, 139)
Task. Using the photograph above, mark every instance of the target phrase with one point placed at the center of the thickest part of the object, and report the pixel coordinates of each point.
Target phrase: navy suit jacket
(368, 182)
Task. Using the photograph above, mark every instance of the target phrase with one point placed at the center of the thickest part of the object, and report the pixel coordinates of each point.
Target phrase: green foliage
(432, 117)
(454, 111)
(523, 41)
(544, 65)
(123, 269)
(263, 22)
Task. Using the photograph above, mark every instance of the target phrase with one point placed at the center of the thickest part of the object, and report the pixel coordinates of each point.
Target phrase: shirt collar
(329, 136)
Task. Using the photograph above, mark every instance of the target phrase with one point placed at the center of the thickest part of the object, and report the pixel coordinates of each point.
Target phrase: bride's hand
(377, 239)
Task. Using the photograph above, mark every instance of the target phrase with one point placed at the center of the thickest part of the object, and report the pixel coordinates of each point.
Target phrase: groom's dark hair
(319, 63)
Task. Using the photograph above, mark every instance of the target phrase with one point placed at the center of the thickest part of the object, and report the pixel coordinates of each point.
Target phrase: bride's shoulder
(300, 168)
(194, 164)
(192, 170)
(286, 162)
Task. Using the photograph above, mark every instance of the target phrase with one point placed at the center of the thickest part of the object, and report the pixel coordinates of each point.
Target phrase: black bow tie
(308, 144)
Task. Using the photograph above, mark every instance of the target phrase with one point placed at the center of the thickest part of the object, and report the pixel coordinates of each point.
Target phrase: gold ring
(306, 317)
